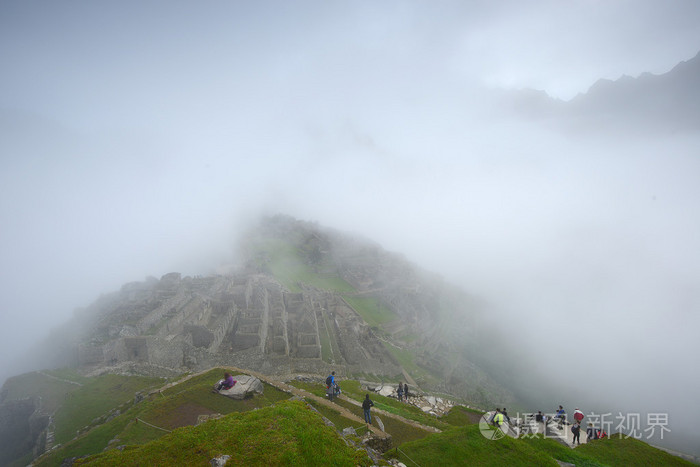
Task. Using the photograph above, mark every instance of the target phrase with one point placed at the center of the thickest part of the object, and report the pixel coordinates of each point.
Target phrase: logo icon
(490, 430)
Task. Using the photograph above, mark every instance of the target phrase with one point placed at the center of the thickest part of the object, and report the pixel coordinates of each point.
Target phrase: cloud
(138, 138)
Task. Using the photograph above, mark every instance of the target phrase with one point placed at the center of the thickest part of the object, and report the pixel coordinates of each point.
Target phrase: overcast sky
(137, 136)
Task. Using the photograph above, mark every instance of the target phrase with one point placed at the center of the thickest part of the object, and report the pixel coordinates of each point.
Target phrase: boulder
(219, 461)
(378, 443)
(386, 390)
(245, 386)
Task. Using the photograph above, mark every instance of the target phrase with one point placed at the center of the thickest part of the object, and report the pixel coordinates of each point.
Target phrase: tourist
(366, 404)
(330, 385)
(576, 430)
(399, 391)
(561, 415)
(227, 383)
(591, 433)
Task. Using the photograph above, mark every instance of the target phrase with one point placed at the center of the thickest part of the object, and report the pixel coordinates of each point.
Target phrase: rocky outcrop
(22, 428)
(245, 386)
(430, 404)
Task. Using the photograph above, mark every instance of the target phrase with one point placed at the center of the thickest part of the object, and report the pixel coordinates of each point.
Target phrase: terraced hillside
(305, 299)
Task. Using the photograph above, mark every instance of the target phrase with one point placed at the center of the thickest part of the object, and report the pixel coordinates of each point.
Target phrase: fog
(138, 138)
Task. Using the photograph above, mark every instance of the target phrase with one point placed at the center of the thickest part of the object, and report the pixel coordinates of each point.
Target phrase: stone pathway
(59, 379)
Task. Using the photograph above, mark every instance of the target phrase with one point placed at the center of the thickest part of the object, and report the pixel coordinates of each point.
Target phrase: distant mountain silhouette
(665, 103)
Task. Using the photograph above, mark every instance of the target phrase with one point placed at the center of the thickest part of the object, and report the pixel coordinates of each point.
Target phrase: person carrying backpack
(366, 404)
(330, 385)
(399, 391)
(576, 430)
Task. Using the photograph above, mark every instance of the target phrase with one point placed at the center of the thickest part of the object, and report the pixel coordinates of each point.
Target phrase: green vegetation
(287, 264)
(406, 359)
(288, 433)
(51, 391)
(283, 432)
(460, 416)
(374, 312)
(332, 348)
(466, 446)
(619, 450)
(95, 398)
(175, 407)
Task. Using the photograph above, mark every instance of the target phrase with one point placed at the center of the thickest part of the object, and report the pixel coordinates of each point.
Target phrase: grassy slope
(75, 406)
(96, 397)
(466, 446)
(372, 310)
(175, 407)
(288, 433)
(286, 263)
(51, 391)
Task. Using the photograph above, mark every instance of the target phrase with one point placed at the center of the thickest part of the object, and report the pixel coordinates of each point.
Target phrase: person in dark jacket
(576, 430)
(505, 414)
(399, 392)
(591, 433)
(405, 391)
(366, 404)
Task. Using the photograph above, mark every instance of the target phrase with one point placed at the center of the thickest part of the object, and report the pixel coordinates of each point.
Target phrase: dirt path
(321, 400)
(407, 421)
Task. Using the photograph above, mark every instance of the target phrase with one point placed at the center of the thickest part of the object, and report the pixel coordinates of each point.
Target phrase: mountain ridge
(663, 103)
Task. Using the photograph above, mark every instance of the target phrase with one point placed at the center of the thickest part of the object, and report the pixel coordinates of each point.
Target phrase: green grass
(466, 446)
(628, 451)
(372, 310)
(407, 362)
(95, 398)
(176, 407)
(268, 429)
(613, 451)
(401, 432)
(560, 452)
(288, 433)
(335, 417)
(460, 416)
(287, 264)
(333, 348)
(69, 374)
(51, 391)
(352, 390)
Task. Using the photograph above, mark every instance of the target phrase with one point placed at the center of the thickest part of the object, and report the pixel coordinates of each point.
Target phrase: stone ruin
(247, 321)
